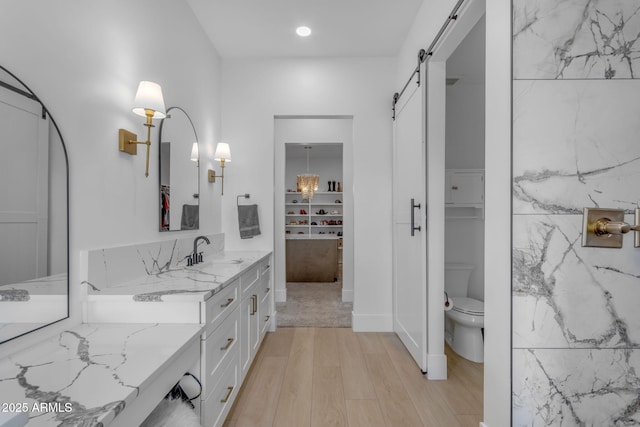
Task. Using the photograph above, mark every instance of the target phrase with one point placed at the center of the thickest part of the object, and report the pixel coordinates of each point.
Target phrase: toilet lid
(468, 305)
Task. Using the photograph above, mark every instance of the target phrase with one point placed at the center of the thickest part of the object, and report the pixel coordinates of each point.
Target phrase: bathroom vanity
(148, 318)
(229, 293)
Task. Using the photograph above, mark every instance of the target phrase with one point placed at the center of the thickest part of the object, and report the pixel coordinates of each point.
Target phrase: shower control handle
(602, 227)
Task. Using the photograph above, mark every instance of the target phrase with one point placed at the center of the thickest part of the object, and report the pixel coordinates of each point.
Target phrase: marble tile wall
(576, 144)
(115, 266)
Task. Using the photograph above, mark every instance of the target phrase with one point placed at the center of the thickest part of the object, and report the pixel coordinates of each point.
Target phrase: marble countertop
(87, 375)
(49, 286)
(198, 282)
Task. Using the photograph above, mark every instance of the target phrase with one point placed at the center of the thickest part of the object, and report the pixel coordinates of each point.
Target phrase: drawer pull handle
(226, 398)
(254, 304)
(226, 347)
(229, 301)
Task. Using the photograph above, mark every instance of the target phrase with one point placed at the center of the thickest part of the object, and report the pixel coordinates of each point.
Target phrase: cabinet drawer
(265, 316)
(219, 346)
(219, 306)
(219, 401)
(264, 290)
(249, 279)
(265, 266)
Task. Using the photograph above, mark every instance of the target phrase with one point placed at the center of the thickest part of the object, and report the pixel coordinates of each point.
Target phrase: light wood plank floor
(321, 377)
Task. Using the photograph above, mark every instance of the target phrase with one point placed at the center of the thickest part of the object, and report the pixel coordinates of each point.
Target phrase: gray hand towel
(248, 221)
(190, 217)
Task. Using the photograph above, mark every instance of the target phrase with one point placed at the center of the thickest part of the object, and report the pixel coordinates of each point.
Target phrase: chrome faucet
(196, 257)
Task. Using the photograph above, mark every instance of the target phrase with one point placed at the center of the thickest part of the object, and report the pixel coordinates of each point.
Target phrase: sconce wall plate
(212, 175)
(124, 136)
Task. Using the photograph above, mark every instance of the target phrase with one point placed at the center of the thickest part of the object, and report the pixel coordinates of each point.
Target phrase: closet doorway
(313, 257)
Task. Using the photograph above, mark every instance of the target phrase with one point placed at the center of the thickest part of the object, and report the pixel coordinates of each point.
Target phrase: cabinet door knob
(455, 187)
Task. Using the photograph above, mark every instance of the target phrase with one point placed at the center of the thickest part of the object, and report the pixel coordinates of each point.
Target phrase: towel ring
(245, 195)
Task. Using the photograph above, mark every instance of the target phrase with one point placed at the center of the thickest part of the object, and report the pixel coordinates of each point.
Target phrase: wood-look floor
(335, 377)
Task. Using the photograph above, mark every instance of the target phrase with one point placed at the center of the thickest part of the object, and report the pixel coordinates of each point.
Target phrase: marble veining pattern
(43, 286)
(575, 145)
(573, 39)
(65, 370)
(568, 296)
(114, 266)
(181, 283)
(577, 387)
(14, 295)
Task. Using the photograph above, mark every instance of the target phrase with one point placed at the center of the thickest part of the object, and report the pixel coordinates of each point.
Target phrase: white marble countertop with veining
(198, 282)
(88, 374)
(42, 287)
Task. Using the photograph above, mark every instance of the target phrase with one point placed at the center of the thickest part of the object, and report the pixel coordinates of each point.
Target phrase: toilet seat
(470, 306)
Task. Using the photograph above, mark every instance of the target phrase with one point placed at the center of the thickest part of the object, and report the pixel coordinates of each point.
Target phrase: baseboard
(371, 322)
(437, 366)
(347, 295)
(281, 295)
(274, 321)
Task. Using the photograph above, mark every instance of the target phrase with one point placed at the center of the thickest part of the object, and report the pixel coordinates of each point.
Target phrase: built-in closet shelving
(304, 219)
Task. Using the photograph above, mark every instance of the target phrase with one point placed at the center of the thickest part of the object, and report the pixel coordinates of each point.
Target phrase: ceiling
(341, 28)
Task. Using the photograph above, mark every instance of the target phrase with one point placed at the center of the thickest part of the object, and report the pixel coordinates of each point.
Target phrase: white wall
(465, 126)
(84, 60)
(257, 90)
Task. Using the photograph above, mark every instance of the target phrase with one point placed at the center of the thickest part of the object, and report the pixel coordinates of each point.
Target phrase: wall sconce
(150, 104)
(223, 154)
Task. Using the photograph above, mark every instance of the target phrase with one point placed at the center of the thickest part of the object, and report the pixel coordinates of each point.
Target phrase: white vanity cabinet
(255, 311)
(220, 355)
(236, 325)
(265, 306)
(234, 319)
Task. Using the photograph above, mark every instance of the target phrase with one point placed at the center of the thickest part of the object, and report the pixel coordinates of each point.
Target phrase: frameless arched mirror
(34, 285)
(179, 172)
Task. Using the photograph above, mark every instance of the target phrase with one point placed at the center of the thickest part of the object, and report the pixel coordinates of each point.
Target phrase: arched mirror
(34, 239)
(179, 172)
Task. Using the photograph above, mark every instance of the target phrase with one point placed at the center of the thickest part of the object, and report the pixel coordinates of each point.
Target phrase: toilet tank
(456, 278)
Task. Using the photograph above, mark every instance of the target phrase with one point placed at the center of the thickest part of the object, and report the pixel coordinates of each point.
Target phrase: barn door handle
(413, 226)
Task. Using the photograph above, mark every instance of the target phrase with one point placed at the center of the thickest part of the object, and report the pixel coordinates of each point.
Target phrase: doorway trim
(467, 17)
(339, 131)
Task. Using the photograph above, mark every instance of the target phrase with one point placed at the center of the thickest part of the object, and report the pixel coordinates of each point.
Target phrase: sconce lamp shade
(149, 97)
(194, 152)
(223, 153)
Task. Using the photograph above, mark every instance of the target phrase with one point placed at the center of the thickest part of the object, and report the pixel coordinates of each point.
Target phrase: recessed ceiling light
(303, 31)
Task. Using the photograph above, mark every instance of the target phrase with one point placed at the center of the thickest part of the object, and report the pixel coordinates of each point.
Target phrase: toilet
(466, 319)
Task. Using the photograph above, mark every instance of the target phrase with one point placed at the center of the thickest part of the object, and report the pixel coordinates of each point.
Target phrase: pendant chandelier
(308, 183)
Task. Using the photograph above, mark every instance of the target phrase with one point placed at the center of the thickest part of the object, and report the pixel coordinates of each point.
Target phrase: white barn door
(410, 233)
